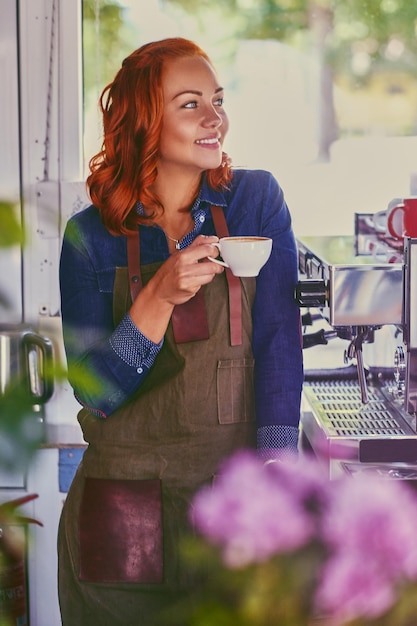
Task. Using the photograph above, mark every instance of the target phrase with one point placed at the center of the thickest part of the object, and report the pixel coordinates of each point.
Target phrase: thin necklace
(177, 241)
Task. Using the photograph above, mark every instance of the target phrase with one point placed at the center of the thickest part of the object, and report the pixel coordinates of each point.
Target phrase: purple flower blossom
(251, 513)
(352, 587)
(364, 529)
(306, 480)
(369, 529)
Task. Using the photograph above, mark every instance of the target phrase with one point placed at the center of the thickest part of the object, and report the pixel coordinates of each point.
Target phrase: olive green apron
(177, 428)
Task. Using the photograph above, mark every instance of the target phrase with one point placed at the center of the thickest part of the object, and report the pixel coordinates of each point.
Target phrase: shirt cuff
(277, 442)
(132, 346)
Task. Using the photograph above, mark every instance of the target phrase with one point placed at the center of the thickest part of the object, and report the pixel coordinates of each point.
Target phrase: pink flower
(370, 531)
(250, 513)
(364, 529)
(307, 481)
(352, 587)
(376, 518)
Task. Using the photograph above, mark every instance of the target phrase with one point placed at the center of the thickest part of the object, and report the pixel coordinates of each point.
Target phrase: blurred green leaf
(11, 232)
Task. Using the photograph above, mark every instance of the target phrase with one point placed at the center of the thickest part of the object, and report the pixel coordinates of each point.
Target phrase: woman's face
(194, 121)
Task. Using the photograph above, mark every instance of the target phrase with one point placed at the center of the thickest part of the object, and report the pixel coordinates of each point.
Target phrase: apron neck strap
(133, 264)
(233, 282)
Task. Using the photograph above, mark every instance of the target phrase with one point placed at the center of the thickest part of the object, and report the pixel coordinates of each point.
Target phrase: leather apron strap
(133, 264)
(233, 282)
(189, 320)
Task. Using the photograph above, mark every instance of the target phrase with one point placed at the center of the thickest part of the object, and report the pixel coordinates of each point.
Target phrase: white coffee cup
(244, 255)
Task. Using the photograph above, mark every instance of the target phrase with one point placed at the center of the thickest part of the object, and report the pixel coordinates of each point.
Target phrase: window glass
(322, 93)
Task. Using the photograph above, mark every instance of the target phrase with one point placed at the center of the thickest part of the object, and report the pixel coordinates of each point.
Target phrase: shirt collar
(210, 195)
(207, 195)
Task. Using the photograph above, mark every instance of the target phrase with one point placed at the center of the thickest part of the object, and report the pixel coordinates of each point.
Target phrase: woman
(170, 356)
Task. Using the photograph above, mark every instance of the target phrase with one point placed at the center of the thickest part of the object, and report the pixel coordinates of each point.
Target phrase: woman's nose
(212, 117)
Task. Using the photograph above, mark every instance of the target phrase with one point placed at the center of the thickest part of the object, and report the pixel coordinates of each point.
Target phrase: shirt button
(140, 370)
(202, 218)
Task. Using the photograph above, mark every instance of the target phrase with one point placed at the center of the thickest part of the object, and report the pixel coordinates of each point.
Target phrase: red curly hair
(132, 108)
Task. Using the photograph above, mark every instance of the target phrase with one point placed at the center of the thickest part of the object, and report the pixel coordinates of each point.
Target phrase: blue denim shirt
(120, 358)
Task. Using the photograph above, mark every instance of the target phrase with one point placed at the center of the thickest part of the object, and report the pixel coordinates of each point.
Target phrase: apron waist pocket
(120, 531)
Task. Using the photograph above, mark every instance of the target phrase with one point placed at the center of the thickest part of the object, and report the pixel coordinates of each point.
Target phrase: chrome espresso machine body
(363, 416)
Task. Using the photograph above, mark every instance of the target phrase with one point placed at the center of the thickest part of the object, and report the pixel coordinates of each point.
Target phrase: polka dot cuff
(132, 346)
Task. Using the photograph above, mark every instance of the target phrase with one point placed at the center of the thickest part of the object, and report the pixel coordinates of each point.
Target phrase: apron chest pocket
(235, 395)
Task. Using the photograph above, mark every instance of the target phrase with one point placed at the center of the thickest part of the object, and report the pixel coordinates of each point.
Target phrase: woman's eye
(190, 105)
(219, 102)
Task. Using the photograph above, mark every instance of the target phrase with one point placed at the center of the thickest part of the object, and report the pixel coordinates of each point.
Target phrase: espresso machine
(359, 417)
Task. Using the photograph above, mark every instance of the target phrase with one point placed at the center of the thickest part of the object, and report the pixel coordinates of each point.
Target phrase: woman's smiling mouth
(210, 141)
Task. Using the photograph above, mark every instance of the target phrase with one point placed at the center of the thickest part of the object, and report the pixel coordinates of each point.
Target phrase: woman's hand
(182, 275)
(176, 281)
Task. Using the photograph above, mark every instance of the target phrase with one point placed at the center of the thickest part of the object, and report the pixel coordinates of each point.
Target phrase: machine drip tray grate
(340, 406)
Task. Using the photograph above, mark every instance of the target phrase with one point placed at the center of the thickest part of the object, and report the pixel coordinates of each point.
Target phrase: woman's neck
(177, 193)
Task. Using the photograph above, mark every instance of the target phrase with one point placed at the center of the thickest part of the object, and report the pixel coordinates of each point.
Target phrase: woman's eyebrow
(195, 92)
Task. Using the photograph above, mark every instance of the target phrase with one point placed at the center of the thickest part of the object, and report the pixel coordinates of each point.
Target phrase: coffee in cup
(244, 255)
(402, 219)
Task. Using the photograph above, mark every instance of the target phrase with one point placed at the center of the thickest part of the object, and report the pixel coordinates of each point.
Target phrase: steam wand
(354, 350)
